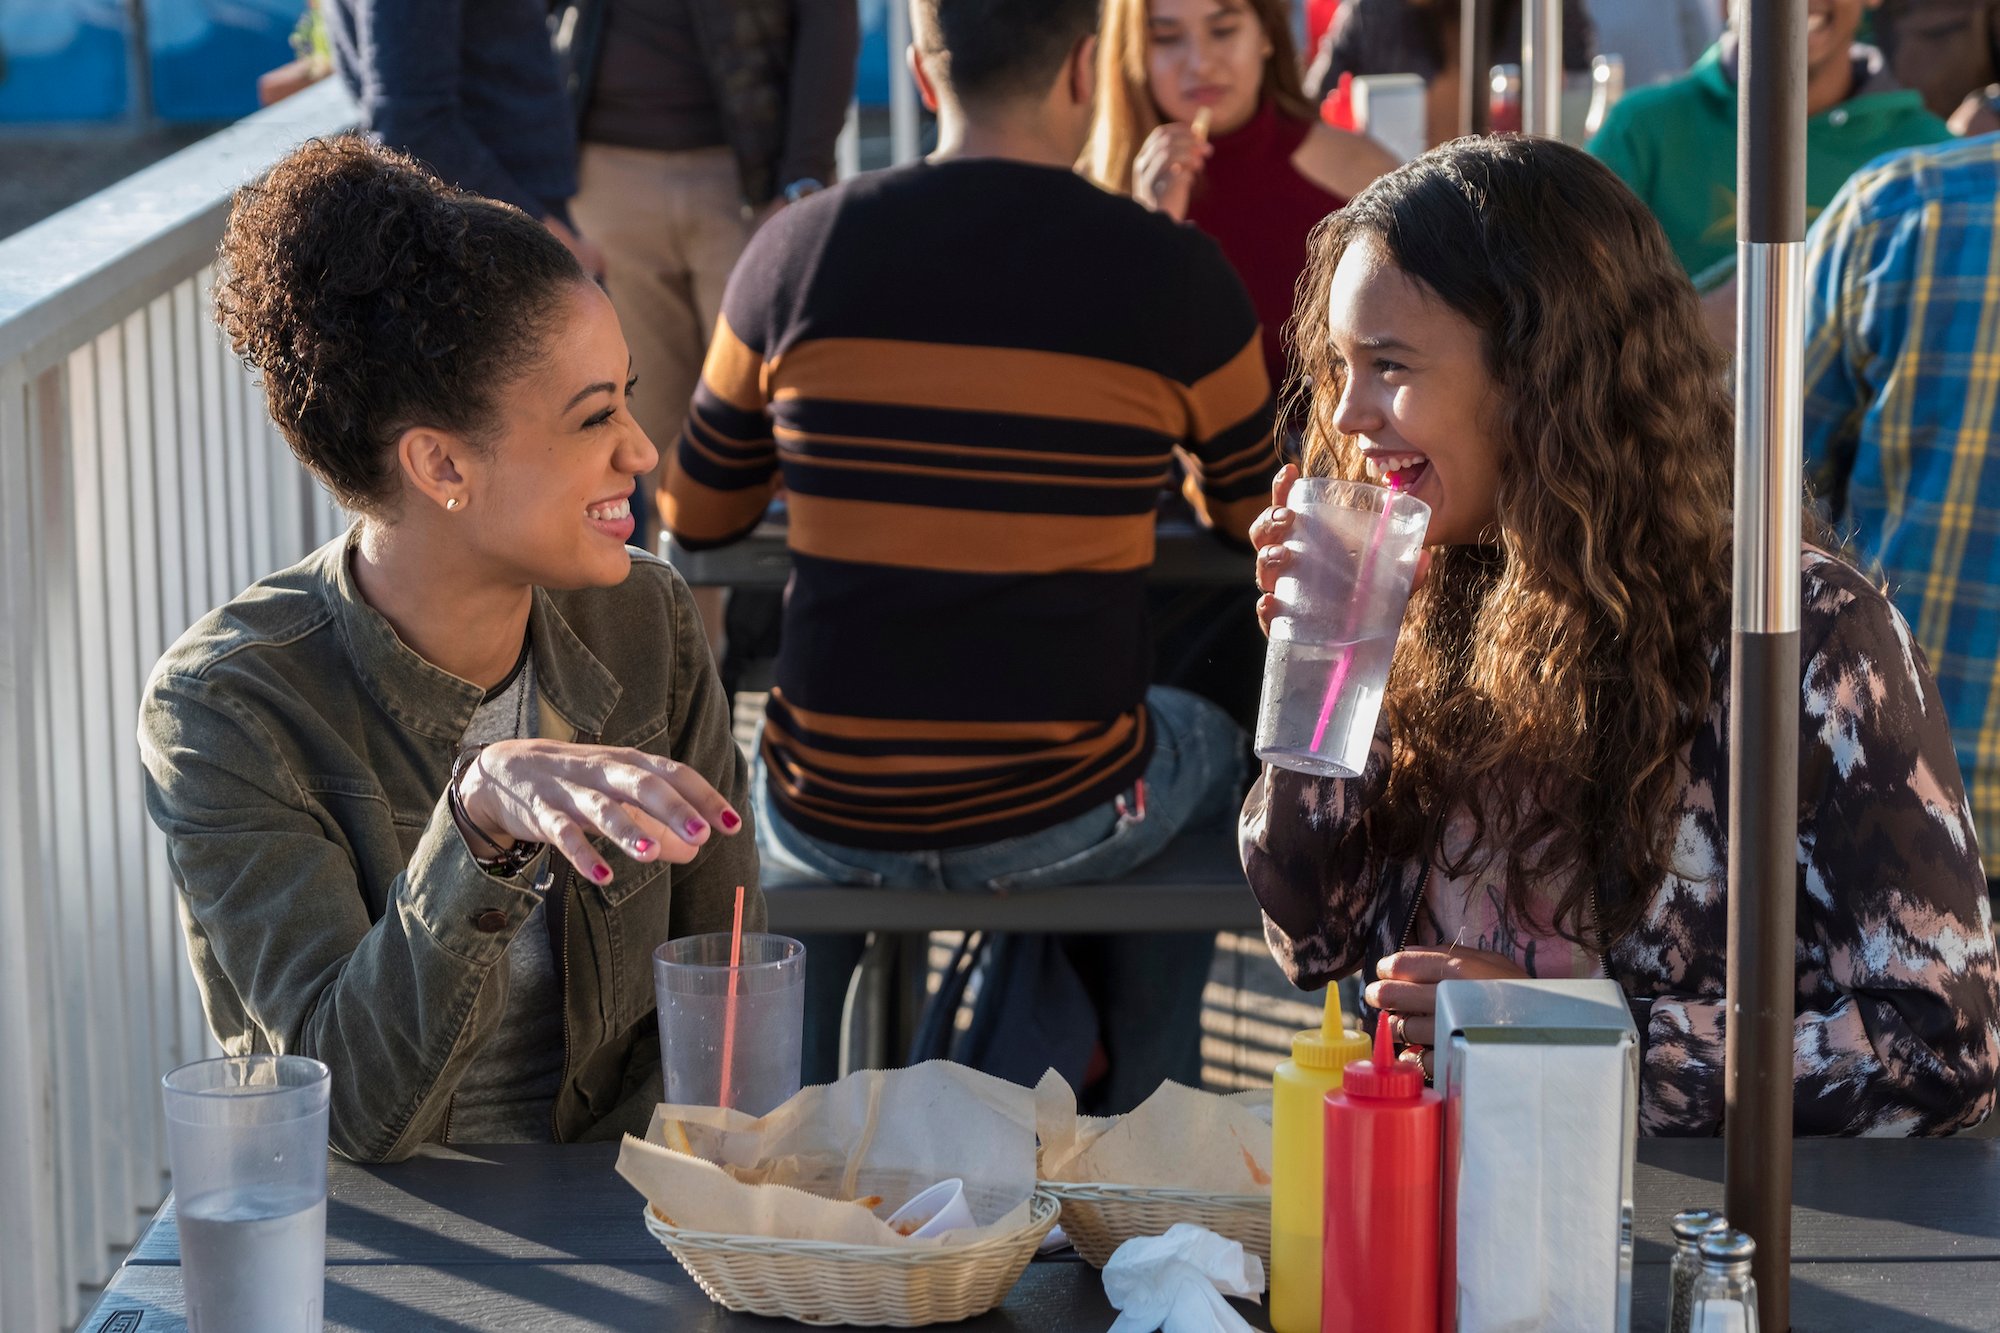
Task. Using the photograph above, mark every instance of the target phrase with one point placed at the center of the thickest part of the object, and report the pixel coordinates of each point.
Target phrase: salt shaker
(1725, 1295)
(1688, 1228)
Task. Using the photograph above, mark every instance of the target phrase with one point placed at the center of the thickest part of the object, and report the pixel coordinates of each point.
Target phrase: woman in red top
(1201, 116)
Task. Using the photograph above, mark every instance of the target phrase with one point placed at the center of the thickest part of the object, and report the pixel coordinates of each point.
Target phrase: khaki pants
(671, 226)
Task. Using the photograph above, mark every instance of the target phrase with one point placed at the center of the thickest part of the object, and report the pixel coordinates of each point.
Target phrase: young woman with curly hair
(1501, 327)
(433, 794)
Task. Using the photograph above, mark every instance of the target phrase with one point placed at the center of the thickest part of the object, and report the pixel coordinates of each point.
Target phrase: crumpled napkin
(1176, 1282)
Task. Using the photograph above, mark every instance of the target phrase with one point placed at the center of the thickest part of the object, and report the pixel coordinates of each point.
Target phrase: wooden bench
(1195, 884)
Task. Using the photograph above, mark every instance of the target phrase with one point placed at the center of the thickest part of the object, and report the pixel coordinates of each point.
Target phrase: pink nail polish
(730, 821)
(601, 873)
(695, 828)
(642, 845)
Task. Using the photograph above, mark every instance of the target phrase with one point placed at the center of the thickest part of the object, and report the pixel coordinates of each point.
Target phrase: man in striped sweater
(973, 376)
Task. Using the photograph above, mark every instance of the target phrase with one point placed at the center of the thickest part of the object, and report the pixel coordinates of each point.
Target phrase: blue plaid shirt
(1902, 407)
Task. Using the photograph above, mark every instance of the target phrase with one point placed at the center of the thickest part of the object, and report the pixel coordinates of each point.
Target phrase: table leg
(867, 1025)
(913, 970)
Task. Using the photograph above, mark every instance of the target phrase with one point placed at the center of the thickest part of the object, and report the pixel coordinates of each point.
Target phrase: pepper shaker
(1688, 1228)
(1725, 1295)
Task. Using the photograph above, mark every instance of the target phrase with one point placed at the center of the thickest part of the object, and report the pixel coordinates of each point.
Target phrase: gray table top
(1917, 1297)
(1887, 1234)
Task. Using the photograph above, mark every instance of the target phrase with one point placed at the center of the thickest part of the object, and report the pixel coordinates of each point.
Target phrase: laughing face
(551, 498)
(1418, 398)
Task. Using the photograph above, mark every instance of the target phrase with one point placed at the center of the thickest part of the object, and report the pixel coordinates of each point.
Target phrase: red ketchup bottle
(1380, 1270)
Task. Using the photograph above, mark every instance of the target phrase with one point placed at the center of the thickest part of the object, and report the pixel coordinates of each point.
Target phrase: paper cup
(939, 1209)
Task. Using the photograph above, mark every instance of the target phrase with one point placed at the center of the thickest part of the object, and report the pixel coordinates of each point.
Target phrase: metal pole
(138, 64)
(1764, 676)
(847, 145)
(1542, 68)
(1475, 66)
(902, 89)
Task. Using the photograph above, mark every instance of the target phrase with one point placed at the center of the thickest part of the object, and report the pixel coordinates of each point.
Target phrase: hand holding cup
(1269, 533)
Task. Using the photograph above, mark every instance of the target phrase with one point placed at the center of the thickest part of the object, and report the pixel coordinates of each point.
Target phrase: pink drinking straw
(1340, 668)
(729, 1005)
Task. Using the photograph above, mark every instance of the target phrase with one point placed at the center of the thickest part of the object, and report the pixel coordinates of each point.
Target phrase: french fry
(1202, 120)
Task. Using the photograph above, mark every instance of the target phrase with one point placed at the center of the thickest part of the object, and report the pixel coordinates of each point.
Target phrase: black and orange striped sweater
(972, 379)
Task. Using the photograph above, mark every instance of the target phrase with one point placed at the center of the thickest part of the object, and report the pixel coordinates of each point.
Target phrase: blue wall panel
(62, 60)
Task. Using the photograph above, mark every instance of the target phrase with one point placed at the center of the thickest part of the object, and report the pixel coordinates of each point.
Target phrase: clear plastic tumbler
(246, 1136)
(1354, 555)
(692, 979)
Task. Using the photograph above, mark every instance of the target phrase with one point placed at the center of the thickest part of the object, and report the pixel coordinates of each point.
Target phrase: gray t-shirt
(508, 1091)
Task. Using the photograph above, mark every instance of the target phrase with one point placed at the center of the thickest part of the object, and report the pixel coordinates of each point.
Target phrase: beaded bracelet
(505, 862)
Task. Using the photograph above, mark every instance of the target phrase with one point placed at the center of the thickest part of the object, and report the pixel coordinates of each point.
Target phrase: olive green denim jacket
(297, 755)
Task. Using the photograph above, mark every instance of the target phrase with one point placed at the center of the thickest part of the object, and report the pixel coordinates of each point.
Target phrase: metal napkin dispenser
(1541, 1113)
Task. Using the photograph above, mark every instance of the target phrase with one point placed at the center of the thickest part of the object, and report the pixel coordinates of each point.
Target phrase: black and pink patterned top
(1898, 1009)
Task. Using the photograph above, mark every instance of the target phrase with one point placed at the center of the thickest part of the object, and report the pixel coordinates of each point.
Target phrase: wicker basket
(825, 1282)
(1099, 1218)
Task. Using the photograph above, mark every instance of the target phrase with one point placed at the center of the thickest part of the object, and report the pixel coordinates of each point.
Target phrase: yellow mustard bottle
(1298, 1149)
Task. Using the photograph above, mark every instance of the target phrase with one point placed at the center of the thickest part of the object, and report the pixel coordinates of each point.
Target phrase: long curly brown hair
(1546, 684)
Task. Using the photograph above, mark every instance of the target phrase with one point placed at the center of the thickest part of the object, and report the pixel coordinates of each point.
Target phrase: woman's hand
(560, 794)
(1268, 534)
(1407, 991)
(1163, 173)
(1273, 528)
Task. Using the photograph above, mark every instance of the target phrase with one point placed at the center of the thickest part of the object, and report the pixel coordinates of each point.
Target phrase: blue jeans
(1145, 988)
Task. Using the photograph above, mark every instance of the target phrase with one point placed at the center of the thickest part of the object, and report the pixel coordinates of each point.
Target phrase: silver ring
(1402, 1030)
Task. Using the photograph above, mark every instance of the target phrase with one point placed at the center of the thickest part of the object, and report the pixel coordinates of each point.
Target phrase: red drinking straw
(729, 1006)
(1340, 668)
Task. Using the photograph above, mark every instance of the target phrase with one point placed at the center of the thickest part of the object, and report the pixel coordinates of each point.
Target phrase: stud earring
(452, 503)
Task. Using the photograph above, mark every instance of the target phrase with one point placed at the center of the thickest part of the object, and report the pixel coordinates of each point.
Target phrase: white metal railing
(141, 483)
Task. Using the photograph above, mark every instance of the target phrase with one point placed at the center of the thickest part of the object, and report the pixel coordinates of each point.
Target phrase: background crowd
(976, 383)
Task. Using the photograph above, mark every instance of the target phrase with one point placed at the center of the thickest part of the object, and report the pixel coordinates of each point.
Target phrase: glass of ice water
(1354, 555)
(246, 1136)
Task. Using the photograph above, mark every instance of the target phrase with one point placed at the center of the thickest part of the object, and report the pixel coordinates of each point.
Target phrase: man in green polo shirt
(1675, 143)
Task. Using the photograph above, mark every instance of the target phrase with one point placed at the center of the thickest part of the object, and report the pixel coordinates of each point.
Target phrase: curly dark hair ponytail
(372, 298)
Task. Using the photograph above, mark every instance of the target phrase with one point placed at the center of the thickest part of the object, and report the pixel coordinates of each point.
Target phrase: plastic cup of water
(692, 979)
(1354, 555)
(246, 1137)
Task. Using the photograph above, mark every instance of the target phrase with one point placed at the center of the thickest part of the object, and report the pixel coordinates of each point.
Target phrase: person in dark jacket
(433, 795)
(471, 91)
(698, 120)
